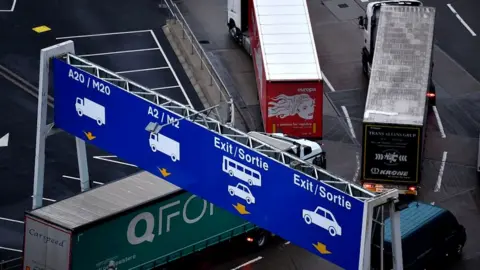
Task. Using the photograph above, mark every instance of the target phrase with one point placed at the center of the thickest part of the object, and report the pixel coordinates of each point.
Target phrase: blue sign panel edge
(77, 89)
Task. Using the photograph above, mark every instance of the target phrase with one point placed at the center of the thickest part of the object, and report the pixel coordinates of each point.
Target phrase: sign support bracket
(44, 129)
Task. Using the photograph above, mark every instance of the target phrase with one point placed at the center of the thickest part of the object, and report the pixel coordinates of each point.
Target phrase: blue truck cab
(431, 237)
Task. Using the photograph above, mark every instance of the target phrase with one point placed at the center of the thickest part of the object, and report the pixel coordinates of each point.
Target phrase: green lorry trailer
(139, 222)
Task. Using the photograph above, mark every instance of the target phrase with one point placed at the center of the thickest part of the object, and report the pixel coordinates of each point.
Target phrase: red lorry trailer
(278, 35)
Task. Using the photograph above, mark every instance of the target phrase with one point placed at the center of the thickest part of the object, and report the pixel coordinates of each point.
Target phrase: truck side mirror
(361, 22)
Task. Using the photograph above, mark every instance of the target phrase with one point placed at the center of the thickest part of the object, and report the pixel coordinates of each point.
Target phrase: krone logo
(147, 235)
(375, 170)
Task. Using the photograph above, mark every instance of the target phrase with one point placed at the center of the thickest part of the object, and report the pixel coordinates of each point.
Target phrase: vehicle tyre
(261, 240)
(457, 253)
(307, 219)
(232, 193)
(80, 113)
(99, 122)
(250, 182)
(154, 149)
(249, 201)
(230, 173)
(174, 158)
(332, 231)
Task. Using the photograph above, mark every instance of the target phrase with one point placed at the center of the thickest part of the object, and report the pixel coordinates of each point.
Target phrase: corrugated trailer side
(138, 222)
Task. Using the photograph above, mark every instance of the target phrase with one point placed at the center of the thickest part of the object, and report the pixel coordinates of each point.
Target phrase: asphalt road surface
(122, 36)
(449, 177)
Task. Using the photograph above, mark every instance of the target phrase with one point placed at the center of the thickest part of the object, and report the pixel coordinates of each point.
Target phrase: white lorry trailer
(396, 107)
(369, 23)
(306, 150)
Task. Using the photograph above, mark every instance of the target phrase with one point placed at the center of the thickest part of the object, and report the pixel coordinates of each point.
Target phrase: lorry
(369, 23)
(278, 36)
(306, 150)
(93, 110)
(139, 222)
(432, 238)
(396, 107)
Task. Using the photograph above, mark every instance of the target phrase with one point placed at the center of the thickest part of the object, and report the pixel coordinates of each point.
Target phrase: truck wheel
(80, 113)
(261, 240)
(174, 158)
(99, 122)
(154, 149)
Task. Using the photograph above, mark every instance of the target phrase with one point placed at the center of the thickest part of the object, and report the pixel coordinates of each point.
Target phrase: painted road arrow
(4, 140)
(164, 172)
(321, 248)
(241, 209)
(89, 135)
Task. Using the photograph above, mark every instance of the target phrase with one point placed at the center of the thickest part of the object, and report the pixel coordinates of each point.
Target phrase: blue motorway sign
(263, 191)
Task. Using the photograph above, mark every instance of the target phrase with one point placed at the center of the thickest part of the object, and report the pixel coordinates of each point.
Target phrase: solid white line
(118, 52)
(105, 34)
(166, 87)
(13, 5)
(140, 70)
(461, 20)
(328, 82)
(170, 66)
(440, 172)
(78, 179)
(11, 220)
(247, 263)
(11, 249)
(114, 161)
(349, 122)
(439, 122)
(287, 243)
(47, 199)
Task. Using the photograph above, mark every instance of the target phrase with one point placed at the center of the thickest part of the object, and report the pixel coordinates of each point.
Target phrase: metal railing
(176, 17)
(12, 264)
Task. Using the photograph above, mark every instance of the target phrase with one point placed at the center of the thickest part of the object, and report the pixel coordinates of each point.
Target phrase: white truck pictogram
(91, 109)
(159, 142)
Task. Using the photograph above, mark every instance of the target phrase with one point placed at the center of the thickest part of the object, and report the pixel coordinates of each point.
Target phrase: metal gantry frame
(209, 118)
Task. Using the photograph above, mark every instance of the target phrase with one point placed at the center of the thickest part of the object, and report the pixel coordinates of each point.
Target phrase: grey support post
(43, 129)
(396, 238)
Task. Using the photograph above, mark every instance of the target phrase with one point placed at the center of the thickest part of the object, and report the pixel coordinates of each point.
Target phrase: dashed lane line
(118, 52)
(108, 159)
(141, 70)
(439, 122)
(11, 249)
(104, 34)
(440, 173)
(12, 220)
(78, 179)
(247, 263)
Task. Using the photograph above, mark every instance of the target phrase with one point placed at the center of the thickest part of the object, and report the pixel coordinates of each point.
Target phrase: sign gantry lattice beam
(208, 119)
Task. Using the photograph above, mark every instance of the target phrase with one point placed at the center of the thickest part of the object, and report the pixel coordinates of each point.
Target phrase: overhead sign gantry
(310, 207)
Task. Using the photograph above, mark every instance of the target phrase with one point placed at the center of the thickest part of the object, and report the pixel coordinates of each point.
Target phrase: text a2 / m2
(90, 82)
(164, 117)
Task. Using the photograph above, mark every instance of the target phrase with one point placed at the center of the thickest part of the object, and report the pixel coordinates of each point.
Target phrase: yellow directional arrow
(241, 209)
(89, 135)
(164, 172)
(321, 248)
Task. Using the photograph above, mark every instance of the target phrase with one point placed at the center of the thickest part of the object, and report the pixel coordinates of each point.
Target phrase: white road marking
(140, 70)
(247, 263)
(440, 172)
(439, 122)
(287, 243)
(105, 34)
(11, 249)
(107, 158)
(46, 199)
(165, 87)
(78, 179)
(4, 140)
(357, 172)
(328, 82)
(12, 8)
(118, 52)
(349, 122)
(170, 66)
(12, 220)
(461, 20)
